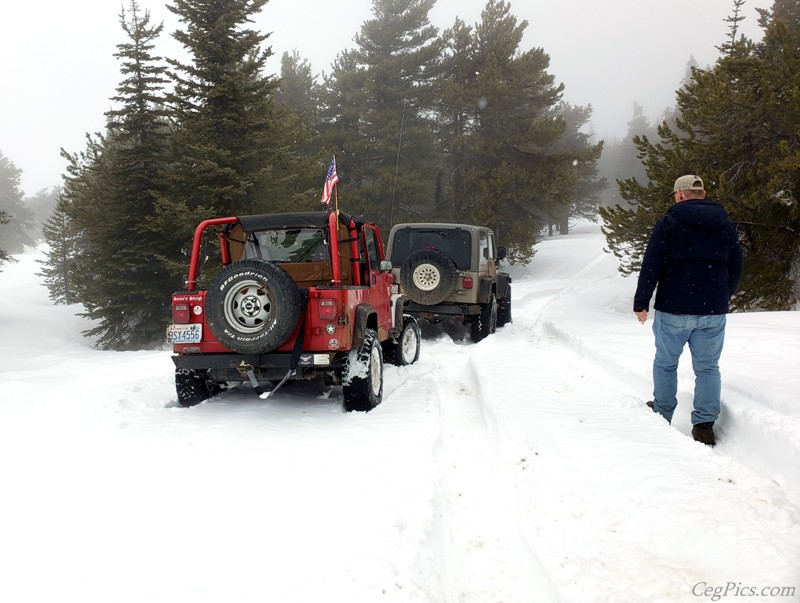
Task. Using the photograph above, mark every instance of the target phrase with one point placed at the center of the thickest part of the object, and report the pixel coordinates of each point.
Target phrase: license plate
(185, 333)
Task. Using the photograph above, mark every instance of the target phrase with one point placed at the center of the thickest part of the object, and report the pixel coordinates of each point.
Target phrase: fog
(58, 69)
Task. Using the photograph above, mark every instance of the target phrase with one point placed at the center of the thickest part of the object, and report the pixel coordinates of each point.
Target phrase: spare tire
(428, 277)
(252, 306)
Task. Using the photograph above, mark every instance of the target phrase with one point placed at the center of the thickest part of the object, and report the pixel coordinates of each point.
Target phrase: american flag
(330, 181)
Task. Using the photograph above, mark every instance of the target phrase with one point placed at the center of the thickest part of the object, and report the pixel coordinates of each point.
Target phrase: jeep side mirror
(386, 266)
(501, 253)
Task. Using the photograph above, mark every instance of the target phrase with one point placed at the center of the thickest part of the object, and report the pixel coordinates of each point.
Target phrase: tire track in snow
(482, 554)
(593, 469)
(774, 431)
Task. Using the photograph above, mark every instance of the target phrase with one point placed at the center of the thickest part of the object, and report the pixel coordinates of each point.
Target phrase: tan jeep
(449, 271)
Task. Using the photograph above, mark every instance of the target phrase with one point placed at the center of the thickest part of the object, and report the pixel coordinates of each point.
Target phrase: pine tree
(16, 226)
(621, 160)
(576, 143)
(83, 202)
(458, 109)
(298, 89)
(4, 257)
(42, 204)
(228, 137)
(729, 47)
(344, 95)
(500, 133)
(298, 106)
(232, 148)
(110, 196)
(378, 106)
(59, 234)
(131, 286)
(737, 128)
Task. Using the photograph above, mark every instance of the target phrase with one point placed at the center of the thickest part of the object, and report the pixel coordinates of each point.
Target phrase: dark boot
(704, 433)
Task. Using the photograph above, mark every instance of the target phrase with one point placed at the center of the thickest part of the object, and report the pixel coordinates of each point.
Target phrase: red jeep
(298, 296)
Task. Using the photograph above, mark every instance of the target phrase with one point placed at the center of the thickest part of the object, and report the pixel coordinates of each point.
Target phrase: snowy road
(521, 469)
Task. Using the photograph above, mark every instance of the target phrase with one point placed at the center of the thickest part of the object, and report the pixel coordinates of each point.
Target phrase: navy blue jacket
(695, 259)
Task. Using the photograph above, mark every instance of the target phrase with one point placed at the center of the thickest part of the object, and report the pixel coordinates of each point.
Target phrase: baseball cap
(690, 182)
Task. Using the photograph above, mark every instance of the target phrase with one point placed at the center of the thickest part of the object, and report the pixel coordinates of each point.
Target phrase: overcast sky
(57, 71)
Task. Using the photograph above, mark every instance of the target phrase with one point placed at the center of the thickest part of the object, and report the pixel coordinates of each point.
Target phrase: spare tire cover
(428, 277)
(252, 306)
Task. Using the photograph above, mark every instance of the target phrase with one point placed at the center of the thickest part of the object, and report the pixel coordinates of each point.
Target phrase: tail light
(180, 314)
(327, 309)
(466, 282)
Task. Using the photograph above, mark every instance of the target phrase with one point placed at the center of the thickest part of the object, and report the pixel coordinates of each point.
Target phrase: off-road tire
(362, 375)
(404, 350)
(504, 309)
(428, 277)
(193, 386)
(485, 323)
(253, 306)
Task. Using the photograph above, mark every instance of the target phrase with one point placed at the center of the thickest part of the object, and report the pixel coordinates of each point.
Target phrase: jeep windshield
(291, 245)
(455, 243)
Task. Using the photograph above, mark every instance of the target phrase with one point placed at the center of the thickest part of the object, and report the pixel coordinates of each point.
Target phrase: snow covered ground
(525, 468)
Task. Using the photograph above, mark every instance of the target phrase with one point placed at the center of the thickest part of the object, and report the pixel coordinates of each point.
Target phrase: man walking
(695, 259)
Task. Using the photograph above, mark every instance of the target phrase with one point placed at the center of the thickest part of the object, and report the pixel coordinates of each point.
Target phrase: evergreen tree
(298, 89)
(458, 108)
(589, 186)
(737, 128)
(729, 47)
(110, 194)
(229, 138)
(131, 291)
(42, 204)
(297, 99)
(621, 159)
(16, 227)
(378, 104)
(343, 97)
(500, 133)
(59, 234)
(4, 257)
(232, 148)
(83, 202)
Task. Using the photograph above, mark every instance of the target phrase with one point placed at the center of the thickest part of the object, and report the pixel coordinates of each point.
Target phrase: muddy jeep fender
(399, 302)
(503, 281)
(485, 289)
(361, 322)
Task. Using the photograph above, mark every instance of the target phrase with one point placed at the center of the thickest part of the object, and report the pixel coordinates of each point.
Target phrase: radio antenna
(397, 164)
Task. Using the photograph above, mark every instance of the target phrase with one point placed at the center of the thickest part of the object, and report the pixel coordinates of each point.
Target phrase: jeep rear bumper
(265, 367)
(440, 312)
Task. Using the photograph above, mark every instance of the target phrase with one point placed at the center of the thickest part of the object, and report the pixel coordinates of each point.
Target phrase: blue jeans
(705, 336)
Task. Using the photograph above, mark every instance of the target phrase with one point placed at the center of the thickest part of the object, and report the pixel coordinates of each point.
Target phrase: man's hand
(642, 316)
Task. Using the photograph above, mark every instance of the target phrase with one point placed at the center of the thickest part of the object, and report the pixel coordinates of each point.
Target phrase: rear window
(455, 243)
(287, 245)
